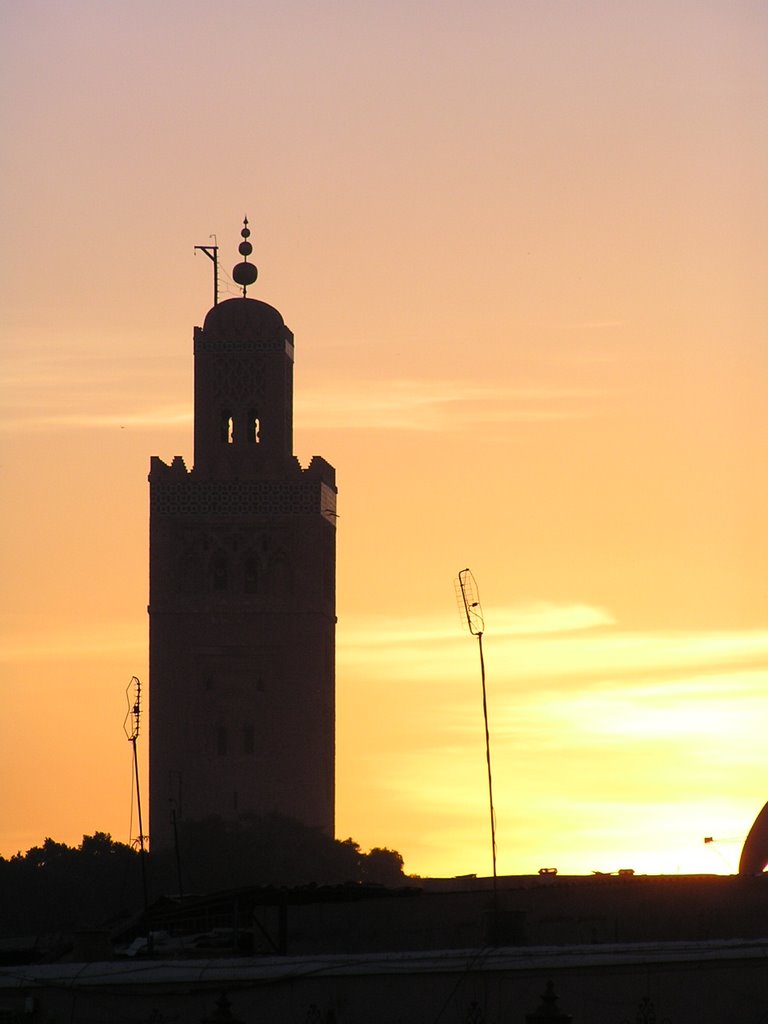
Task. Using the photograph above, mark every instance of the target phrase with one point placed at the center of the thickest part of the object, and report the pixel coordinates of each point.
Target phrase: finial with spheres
(245, 273)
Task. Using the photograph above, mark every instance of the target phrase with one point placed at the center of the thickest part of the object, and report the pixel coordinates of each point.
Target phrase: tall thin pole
(488, 756)
(212, 252)
(176, 851)
(131, 726)
(470, 600)
(142, 851)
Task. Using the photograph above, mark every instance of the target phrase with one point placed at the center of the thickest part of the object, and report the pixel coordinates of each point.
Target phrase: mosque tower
(242, 585)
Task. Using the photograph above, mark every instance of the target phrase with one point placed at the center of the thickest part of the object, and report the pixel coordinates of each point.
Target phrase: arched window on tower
(188, 571)
(251, 573)
(227, 427)
(249, 738)
(219, 572)
(279, 575)
(254, 427)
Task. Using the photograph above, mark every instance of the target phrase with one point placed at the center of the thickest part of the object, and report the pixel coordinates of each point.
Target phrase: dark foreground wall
(459, 913)
(678, 983)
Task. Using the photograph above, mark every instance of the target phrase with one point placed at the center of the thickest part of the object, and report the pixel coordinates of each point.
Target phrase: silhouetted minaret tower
(242, 590)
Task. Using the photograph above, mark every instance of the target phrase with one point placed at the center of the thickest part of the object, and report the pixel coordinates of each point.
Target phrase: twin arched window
(219, 572)
(247, 740)
(252, 425)
(251, 574)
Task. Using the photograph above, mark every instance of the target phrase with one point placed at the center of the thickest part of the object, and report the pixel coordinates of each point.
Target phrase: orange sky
(522, 247)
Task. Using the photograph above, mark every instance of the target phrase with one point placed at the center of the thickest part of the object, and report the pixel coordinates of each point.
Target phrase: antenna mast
(131, 727)
(212, 252)
(466, 588)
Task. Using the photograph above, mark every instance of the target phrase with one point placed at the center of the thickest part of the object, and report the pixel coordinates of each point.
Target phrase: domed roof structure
(754, 854)
(244, 318)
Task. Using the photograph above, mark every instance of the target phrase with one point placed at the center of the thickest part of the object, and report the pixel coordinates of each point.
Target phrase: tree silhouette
(54, 887)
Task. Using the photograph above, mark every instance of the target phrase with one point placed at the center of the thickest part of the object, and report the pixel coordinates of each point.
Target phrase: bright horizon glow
(522, 250)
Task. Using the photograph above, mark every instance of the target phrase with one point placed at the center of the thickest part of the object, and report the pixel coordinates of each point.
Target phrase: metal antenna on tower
(131, 726)
(466, 590)
(212, 252)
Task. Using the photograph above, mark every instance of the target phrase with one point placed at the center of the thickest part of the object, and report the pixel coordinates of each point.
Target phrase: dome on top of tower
(244, 318)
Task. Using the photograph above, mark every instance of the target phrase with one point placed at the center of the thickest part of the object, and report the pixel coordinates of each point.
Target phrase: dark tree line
(58, 888)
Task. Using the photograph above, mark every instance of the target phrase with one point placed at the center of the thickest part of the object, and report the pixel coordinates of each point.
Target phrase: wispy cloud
(430, 405)
(515, 621)
(554, 648)
(85, 642)
(148, 419)
(54, 392)
(58, 392)
(98, 400)
(578, 325)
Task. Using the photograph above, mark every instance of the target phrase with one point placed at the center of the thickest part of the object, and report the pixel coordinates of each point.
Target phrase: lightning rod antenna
(131, 726)
(470, 602)
(212, 252)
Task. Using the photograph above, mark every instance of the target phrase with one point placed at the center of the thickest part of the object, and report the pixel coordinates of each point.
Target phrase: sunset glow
(522, 248)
